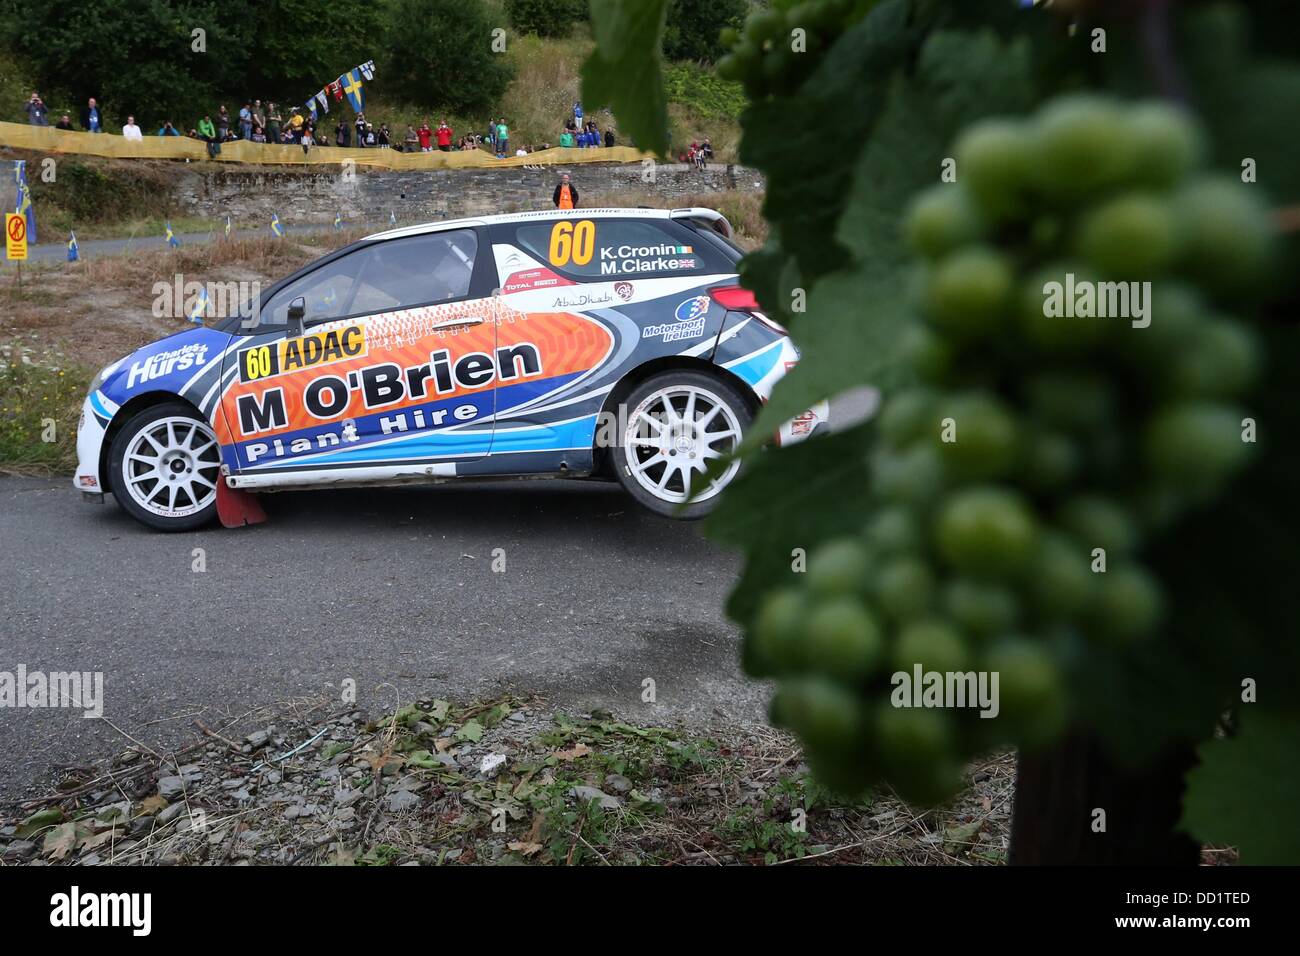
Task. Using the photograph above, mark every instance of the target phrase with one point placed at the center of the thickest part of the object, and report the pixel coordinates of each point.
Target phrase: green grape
(1165, 144)
(894, 530)
(1226, 236)
(765, 26)
(1051, 460)
(1129, 237)
(904, 587)
(843, 640)
(1221, 360)
(1081, 146)
(907, 416)
(731, 67)
(927, 353)
(824, 714)
(838, 567)
(981, 609)
(1178, 314)
(941, 219)
(986, 531)
(912, 477)
(1128, 604)
(1060, 581)
(934, 644)
(1053, 313)
(775, 644)
(728, 37)
(968, 292)
(1196, 444)
(912, 735)
(985, 437)
(1030, 688)
(994, 159)
(1071, 400)
(1099, 522)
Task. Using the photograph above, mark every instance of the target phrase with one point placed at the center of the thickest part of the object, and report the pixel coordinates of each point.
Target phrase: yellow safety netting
(51, 140)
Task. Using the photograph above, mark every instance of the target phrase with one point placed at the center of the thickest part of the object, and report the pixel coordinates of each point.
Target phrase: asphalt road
(392, 588)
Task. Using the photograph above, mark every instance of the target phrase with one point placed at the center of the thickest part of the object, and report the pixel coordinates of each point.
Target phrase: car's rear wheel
(163, 468)
(678, 424)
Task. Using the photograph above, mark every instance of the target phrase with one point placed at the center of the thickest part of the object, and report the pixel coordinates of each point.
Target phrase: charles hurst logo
(164, 363)
(290, 355)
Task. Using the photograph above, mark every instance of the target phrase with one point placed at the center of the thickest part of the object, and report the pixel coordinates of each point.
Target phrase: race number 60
(573, 242)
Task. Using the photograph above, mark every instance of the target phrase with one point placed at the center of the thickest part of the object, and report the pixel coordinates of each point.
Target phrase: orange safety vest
(566, 197)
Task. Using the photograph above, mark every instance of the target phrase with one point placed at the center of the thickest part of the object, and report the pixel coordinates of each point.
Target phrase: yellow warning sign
(15, 235)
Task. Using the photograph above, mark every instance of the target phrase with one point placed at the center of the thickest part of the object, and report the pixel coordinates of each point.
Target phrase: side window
(608, 248)
(397, 274)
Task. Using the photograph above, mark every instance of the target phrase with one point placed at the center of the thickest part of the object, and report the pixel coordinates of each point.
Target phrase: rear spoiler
(715, 219)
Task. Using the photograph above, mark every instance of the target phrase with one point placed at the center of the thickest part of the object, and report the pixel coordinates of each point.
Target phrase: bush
(440, 52)
(691, 32)
(545, 18)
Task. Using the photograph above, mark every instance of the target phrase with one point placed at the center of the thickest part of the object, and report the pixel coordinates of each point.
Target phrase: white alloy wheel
(673, 434)
(171, 467)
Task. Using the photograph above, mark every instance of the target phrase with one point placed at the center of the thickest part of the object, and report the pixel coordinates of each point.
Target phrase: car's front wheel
(677, 425)
(163, 468)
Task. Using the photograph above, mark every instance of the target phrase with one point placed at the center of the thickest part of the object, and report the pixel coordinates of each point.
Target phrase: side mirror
(297, 312)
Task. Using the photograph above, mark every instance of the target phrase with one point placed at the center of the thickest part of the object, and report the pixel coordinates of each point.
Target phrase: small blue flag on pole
(200, 306)
(338, 220)
(227, 226)
(24, 205)
(73, 253)
(171, 236)
(276, 226)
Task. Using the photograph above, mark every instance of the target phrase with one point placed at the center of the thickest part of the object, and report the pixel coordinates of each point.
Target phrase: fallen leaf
(579, 750)
(40, 820)
(60, 841)
(472, 731)
(152, 806)
(527, 849)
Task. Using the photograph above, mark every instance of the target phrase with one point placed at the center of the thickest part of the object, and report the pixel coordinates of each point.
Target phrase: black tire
(636, 457)
(194, 508)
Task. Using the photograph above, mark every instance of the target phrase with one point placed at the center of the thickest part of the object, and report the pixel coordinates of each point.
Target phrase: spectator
(609, 139)
(371, 141)
(245, 121)
(425, 136)
(411, 143)
(273, 121)
(570, 125)
(167, 129)
(131, 132)
(207, 130)
(295, 126)
(259, 135)
(259, 115)
(577, 114)
(343, 134)
(92, 120)
(503, 139)
(65, 122)
(566, 139)
(707, 148)
(223, 122)
(361, 129)
(444, 136)
(566, 194)
(37, 114)
(382, 136)
(307, 140)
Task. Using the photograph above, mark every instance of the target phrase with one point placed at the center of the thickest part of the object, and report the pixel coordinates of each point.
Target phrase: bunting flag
(200, 306)
(24, 205)
(323, 100)
(276, 226)
(354, 91)
(171, 236)
(367, 70)
(336, 90)
(73, 252)
(311, 107)
(338, 220)
(227, 227)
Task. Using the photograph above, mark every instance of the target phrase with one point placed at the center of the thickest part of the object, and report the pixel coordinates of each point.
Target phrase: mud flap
(237, 508)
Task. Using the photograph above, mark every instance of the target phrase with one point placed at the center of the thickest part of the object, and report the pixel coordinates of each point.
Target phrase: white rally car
(572, 343)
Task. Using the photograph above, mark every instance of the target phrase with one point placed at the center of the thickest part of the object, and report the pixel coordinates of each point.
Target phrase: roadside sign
(15, 235)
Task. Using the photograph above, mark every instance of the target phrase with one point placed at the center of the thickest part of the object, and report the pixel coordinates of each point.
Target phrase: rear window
(712, 232)
(619, 248)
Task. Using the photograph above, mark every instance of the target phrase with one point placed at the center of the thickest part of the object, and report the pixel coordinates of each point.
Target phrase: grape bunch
(1043, 443)
(763, 57)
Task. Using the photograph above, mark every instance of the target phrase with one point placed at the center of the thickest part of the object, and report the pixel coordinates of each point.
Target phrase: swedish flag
(73, 253)
(24, 205)
(356, 93)
(338, 220)
(227, 227)
(171, 236)
(276, 226)
(199, 307)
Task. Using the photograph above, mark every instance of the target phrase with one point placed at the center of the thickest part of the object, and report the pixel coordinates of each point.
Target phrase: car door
(394, 368)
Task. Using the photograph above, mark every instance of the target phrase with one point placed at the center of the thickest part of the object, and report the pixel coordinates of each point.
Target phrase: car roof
(604, 213)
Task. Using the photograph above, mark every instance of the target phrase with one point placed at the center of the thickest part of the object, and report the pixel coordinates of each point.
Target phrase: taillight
(737, 299)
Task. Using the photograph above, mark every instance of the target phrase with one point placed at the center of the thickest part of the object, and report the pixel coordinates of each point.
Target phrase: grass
(39, 408)
(744, 210)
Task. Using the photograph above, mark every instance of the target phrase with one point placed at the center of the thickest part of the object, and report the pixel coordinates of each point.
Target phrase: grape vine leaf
(1243, 792)
(624, 70)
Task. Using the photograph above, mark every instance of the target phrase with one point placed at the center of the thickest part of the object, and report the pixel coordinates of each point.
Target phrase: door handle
(463, 320)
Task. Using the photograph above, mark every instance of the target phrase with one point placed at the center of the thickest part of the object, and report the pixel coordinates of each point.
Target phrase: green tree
(441, 52)
(693, 28)
(1166, 688)
(545, 18)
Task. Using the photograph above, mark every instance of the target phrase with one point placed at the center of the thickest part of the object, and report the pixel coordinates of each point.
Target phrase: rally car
(574, 343)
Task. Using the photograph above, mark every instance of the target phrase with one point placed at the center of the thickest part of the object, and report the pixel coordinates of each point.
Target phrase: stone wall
(369, 196)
